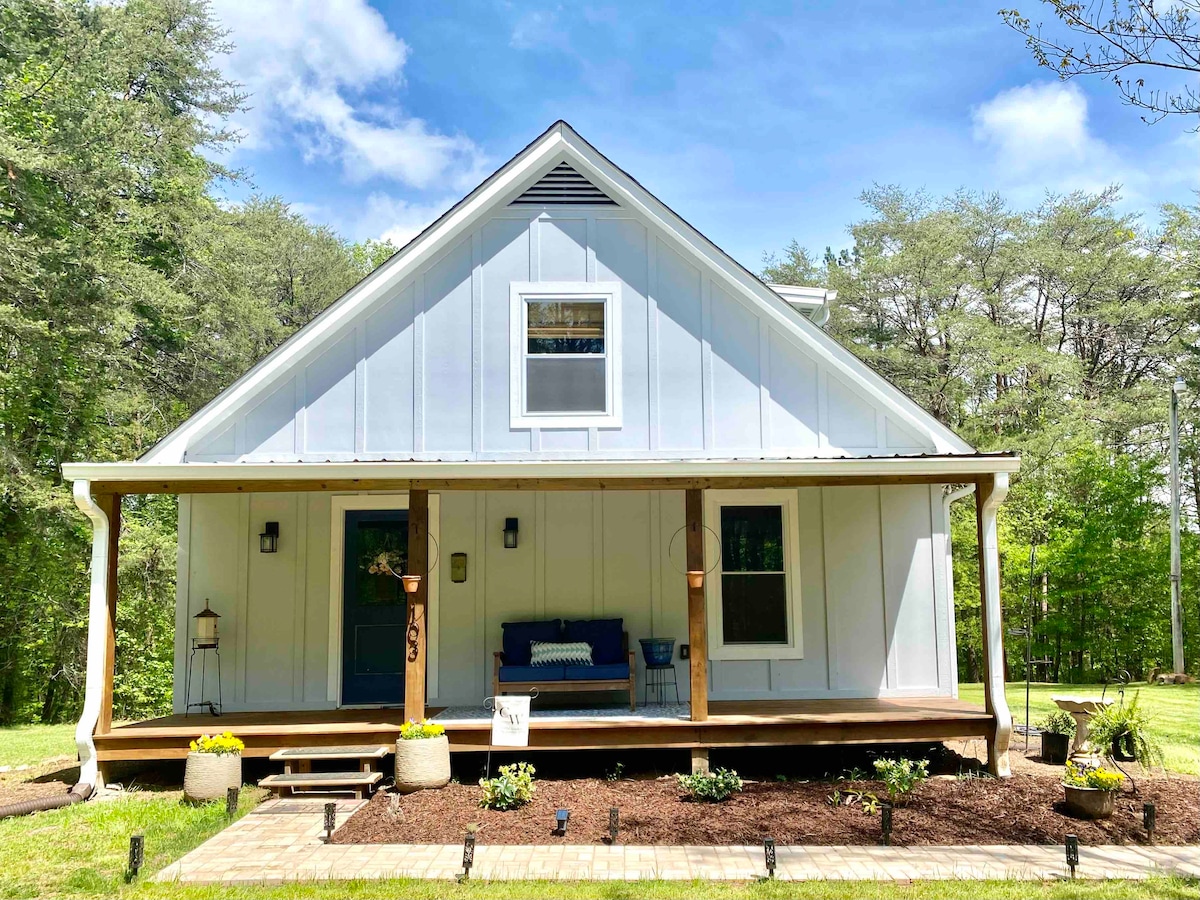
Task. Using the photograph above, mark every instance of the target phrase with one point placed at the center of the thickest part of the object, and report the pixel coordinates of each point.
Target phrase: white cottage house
(552, 404)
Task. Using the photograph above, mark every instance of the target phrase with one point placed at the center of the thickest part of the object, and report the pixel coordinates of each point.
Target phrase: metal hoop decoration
(671, 547)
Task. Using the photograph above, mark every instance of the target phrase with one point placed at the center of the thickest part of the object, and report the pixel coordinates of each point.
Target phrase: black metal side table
(657, 680)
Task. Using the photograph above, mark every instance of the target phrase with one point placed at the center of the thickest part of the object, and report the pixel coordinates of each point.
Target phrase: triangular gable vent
(563, 186)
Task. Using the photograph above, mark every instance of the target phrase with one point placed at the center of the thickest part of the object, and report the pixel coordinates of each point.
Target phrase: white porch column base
(992, 623)
(89, 772)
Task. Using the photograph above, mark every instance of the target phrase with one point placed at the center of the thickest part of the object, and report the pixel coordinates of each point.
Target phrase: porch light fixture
(769, 856)
(1072, 848)
(268, 541)
(510, 534)
(206, 627)
(411, 583)
(560, 820)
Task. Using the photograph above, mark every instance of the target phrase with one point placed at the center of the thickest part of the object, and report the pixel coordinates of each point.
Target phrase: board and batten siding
(876, 618)
(423, 370)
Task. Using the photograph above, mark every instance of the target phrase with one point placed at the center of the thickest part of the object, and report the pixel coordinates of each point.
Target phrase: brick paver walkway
(281, 841)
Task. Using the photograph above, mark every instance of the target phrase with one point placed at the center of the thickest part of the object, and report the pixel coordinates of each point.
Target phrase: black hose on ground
(77, 794)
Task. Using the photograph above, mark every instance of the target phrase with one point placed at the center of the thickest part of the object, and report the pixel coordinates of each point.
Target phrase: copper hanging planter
(695, 577)
(412, 583)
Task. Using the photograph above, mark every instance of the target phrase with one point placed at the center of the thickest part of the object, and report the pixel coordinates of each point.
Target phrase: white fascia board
(951, 466)
(633, 196)
(389, 275)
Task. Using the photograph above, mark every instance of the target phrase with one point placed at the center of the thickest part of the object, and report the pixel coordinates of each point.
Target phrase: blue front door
(374, 607)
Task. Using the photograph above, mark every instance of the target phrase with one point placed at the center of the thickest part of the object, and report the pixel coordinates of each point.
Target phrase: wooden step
(361, 783)
(299, 759)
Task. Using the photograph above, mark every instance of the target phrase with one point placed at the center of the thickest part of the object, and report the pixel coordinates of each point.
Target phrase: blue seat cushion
(533, 673)
(610, 672)
(605, 636)
(517, 635)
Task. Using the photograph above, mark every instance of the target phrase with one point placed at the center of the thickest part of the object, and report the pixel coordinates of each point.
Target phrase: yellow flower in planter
(220, 744)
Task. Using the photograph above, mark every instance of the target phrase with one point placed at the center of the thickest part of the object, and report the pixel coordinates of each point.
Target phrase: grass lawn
(30, 745)
(1175, 711)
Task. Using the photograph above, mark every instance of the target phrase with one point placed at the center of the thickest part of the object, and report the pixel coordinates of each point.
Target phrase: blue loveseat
(612, 666)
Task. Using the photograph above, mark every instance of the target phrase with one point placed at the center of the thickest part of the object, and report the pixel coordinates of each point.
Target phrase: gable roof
(559, 144)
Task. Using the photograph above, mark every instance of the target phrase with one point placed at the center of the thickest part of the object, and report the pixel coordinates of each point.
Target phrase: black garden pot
(1054, 747)
(1123, 748)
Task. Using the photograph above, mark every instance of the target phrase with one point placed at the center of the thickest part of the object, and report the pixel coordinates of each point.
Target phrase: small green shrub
(615, 773)
(713, 787)
(901, 777)
(865, 800)
(1058, 722)
(1096, 777)
(220, 744)
(1128, 723)
(511, 788)
(413, 730)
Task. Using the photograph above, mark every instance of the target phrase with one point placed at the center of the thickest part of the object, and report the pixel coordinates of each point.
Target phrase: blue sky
(757, 123)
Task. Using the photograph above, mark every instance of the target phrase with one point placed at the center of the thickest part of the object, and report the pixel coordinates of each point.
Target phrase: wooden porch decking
(742, 723)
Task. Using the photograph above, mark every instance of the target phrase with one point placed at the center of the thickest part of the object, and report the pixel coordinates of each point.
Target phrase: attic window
(563, 186)
(565, 365)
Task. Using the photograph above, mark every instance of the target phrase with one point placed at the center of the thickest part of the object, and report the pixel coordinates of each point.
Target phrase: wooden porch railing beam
(111, 504)
(415, 642)
(989, 494)
(697, 609)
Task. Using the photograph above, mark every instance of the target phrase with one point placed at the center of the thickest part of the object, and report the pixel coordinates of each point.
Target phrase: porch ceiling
(195, 478)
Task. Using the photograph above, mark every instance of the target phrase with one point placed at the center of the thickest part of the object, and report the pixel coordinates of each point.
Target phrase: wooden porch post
(697, 611)
(414, 644)
(989, 494)
(111, 504)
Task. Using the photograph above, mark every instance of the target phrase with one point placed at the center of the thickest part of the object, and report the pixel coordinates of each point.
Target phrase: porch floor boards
(731, 723)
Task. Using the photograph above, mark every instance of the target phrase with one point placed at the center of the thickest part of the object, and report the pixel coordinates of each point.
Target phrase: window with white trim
(565, 361)
(754, 593)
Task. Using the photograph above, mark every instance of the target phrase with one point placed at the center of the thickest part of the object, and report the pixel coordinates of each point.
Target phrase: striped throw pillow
(548, 653)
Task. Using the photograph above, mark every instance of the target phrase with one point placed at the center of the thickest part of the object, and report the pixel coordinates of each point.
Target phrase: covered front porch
(730, 723)
(830, 686)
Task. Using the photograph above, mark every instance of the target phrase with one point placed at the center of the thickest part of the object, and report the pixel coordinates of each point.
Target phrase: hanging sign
(510, 722)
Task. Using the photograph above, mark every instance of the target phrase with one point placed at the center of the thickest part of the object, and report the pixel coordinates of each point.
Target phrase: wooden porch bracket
(697, 608)
(415, 634)
(111, 505)
(989, 494)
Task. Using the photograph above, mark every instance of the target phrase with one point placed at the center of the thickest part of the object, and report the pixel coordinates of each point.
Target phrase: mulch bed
(1026, 809)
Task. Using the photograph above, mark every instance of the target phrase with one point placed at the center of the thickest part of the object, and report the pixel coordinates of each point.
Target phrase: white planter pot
(422, 763)
(208, 776)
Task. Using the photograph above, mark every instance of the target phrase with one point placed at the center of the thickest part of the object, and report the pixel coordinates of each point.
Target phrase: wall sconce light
(510, 534)
(268, 541)
(206, 627)
(458, 567)
(411, 583)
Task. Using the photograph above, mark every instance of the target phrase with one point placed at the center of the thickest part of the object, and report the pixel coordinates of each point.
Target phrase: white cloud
(538, 29)
(1037, 125)
(388, 219)
(307, 66)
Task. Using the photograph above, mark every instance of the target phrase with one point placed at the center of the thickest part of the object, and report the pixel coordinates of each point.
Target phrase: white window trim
(340, 504)
(520, 293)
(789, 502)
